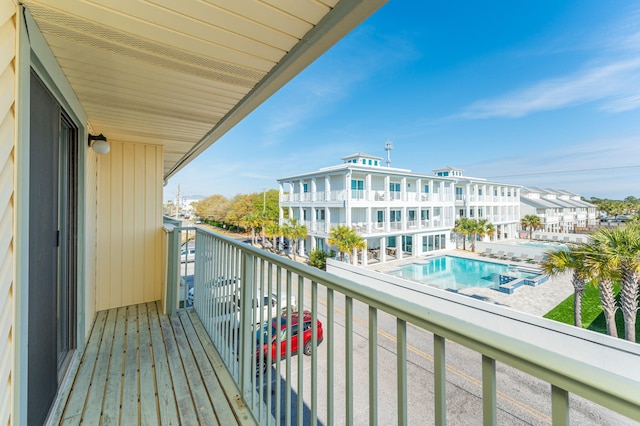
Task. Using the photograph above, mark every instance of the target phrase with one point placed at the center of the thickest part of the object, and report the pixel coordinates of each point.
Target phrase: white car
(225, 294)
(188, 254)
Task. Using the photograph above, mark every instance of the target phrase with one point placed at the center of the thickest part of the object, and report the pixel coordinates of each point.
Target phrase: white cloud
(617, 82)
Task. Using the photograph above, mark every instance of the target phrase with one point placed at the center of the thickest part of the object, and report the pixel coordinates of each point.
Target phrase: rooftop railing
(384, 321)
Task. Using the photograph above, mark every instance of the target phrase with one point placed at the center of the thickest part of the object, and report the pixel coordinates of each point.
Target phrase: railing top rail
(598, 384)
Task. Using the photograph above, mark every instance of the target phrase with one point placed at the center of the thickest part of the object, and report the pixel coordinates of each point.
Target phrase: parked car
(188, 254)
(278, 326)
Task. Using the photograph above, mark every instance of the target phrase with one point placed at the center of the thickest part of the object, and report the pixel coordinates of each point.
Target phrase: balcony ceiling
(182, 73)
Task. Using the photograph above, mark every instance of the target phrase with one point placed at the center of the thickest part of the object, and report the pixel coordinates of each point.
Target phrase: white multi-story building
(397, 212)
(559, 211)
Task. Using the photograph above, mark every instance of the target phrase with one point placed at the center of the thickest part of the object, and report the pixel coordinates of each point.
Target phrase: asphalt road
(522, 399)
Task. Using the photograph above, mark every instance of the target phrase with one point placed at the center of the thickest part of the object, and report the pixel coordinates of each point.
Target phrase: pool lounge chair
(524, 257)
(509, 255)
(500, 253)
(537, 259)
(487, 252)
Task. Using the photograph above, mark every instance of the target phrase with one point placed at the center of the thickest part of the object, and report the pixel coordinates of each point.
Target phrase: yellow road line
(524, 407)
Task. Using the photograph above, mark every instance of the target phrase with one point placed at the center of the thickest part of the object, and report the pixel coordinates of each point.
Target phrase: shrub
(318, 258)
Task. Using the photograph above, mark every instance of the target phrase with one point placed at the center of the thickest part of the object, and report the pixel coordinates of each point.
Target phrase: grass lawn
(592, 315)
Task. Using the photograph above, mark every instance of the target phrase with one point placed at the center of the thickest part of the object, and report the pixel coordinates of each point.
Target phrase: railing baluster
(559, 406)
(246, 370)
(439, 379)
(489, 413)
(348, 367)
(300, 397)
(330, 355)
(401, 372)
(288, 353)
(269, 359)
(314, 353)
(278, 361)
(373, 366)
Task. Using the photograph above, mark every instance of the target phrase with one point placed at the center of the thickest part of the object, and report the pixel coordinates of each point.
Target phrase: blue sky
(543, 93)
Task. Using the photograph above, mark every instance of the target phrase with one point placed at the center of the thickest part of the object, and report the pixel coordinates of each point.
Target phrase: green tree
(480, 229)
(273, 231)
(293, 231)
(604, 275)
(318, 258)
(465, 227)
(346, 240)
(531, 222)
(213, 207)
(560, 261)
(621, 246)
(240, 207)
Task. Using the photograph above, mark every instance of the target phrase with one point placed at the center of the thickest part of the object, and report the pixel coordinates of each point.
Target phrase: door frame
(34, 53)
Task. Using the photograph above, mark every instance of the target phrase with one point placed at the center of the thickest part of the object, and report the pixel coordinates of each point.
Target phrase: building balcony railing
(367, 323)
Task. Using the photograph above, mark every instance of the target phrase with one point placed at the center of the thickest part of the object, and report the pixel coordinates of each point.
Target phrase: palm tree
(531, 222)
(464, 226)
(339, 238)
(622, 247)
(605, 274)
(561, 260)
(272, 230)
(293, 231)
(252, 221)
(480, 228)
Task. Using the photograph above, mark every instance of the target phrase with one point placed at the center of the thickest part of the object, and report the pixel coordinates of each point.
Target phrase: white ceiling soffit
(182, 73)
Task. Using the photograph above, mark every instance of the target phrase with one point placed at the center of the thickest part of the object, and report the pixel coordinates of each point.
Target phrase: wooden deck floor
(142, 367)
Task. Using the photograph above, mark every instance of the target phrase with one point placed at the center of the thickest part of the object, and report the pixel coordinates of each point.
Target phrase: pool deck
(533, 300)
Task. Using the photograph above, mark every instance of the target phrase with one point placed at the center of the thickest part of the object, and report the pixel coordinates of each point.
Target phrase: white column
(313, 189)
(369, 220)
(327, 188)
(383, 249)
(367, 188)
(327, 219)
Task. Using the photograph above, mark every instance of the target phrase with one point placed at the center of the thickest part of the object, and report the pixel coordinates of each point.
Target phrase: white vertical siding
(7, 138)
(129, 221)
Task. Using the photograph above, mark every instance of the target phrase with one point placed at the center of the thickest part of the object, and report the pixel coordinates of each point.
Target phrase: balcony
(446, 357)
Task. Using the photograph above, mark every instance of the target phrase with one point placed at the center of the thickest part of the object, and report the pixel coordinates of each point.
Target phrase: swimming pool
(454, 273)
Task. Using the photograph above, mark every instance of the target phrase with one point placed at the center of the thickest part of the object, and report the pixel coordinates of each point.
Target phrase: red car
(269, 332)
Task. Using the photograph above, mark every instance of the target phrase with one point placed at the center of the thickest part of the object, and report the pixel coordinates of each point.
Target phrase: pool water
(454, 273)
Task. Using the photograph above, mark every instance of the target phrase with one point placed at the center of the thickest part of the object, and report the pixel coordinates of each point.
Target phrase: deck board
(76, 400)
(143, 367)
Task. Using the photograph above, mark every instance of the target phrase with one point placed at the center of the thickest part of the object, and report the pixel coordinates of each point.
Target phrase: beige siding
(129, 222)
(7, 137)
(91, 230)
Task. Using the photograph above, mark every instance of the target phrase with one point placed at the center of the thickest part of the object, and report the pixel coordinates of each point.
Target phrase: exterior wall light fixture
(99, 144)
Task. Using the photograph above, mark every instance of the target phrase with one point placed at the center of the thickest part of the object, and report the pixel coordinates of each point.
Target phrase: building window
(357, 188)
(479, 191)
(369, 162)
(394, 187)
(305, 187)
(391, 241)
(396, 215)
(380, 216)
(375, 163)
(304, 215)
(320, 214)
(479, 212)
(424, 214)
(426, 189)
(470, 212)
(461, 212)
(364, 161)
